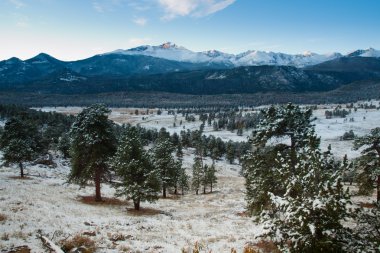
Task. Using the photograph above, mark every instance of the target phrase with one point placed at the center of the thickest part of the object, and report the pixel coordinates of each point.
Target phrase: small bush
(2, 217)
(266, 247)
(86, 244)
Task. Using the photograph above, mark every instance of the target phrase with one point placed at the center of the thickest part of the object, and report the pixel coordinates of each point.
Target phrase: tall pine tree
(369, 162)
(92, 143)
(164, 162)
(139, 178)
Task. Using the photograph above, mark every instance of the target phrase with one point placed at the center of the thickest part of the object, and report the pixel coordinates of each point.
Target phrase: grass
(367, 205)
(143, 212)
(90, 200)
(3, 217)
(21, 178)
(20, 249)
(86, 244)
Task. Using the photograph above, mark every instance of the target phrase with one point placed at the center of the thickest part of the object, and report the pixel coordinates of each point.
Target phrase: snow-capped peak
(370, 52)
(170, 45)
(171, 51)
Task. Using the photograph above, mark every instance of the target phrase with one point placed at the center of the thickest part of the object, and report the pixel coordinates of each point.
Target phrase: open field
(45, 203)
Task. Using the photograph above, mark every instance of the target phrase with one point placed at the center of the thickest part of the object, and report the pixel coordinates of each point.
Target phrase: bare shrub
(86, 244)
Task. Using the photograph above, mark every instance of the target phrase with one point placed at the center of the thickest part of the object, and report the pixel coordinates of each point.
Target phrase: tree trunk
(98, 195)
(164, 191)
(176, 190)
(378, 189)
(21, 169)
(211, 186)
(204, 189)
(136, 203)
(196, 192)
(293, 152)
(182, 191)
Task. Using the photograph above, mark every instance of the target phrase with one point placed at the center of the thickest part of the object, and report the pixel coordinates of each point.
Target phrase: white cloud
(17, 3)
(140, 21)
(98, 7)
(194, 8)
(133, 42)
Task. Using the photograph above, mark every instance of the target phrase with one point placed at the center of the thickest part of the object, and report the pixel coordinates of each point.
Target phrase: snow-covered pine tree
(164, 162)
(369, 162)
(288, 122)
(183, 182)
(262, 176)
(197, 174)
(311, 220)
(92, 143)
(139, 178)
(367, 230)
(20, 142)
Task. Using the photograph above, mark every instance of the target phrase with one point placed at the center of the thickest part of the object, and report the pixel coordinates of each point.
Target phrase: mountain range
(173, 68)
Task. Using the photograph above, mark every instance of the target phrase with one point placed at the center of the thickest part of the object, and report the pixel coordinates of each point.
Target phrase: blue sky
(76, 29)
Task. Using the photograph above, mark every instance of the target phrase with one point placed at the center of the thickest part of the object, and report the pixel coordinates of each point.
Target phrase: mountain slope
(171, 51)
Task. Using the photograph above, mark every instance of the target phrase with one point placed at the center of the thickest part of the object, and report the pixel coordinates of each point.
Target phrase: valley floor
(44, 203)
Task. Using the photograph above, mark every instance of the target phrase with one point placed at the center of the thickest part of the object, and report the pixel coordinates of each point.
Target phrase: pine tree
(92, 143)
(230, 152)
(183, 182)
(369, 162)
(260, 166)
(139, 178)
(197, 174)
(211, 176)
(204, 177)
(20, 142)
(310, 221)
(164, 162)
(367, 230)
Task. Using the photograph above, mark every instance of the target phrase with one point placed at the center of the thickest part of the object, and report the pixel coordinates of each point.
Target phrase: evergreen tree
(197, 174)
(310, 221)
(230, 152)
(179, 152)
(261, 177)
(64, 144)
(165, 163)
(92, 143)
(204, 179)
(139, 179)
(20, 142)
(183, 181)
(369, 162)
(367, 230)
(211, 177)
(260, 166)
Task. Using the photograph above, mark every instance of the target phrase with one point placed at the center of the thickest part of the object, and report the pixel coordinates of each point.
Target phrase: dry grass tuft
(367, 205)
(266, 247)
(243, 214)
(143, 212)
(20, 178)
(20, 249)
(90, 200)
(3, 217)
(84, 243)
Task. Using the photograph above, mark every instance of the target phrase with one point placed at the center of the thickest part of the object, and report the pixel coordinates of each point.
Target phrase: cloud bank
(193, 8)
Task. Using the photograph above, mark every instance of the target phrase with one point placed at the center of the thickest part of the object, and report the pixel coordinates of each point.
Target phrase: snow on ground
(45, 202)
(330, 130)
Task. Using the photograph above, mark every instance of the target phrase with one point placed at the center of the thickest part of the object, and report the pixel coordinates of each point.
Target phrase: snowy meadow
(45, 204)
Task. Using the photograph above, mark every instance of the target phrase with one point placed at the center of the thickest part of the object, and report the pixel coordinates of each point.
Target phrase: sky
(77, 29)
